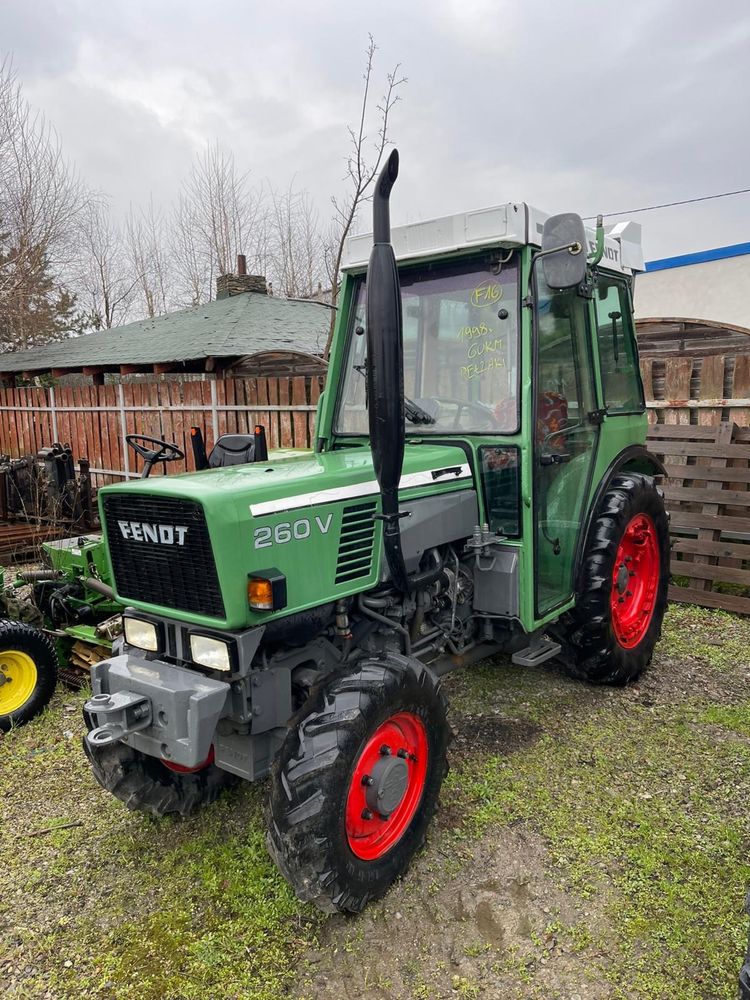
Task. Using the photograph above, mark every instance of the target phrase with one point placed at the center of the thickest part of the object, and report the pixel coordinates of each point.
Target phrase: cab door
(565, 433)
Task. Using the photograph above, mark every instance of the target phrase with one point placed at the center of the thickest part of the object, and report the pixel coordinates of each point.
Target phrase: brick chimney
(236, 284)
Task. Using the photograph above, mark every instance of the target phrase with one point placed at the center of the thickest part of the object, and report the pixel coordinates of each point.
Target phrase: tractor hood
(184, 546)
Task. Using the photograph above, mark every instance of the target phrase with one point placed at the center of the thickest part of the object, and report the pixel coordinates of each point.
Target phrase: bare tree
(148, 259)
(361, 169)
(41, 199)
(297, 244)
(104, 276)
(217, 216)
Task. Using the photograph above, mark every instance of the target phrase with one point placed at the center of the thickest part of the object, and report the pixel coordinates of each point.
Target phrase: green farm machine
(479, 484)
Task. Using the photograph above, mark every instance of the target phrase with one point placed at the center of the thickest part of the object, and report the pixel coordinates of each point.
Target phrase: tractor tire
(146, 784)
(373, 736)
(28, 673)
(609, 637)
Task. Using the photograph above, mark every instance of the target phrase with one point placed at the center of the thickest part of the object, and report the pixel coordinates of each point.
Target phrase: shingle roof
(239, 325)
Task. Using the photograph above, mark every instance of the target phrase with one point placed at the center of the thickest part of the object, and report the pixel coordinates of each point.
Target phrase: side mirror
(564, 251)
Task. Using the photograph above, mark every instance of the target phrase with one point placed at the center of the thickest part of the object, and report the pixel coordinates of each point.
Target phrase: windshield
(460, 350)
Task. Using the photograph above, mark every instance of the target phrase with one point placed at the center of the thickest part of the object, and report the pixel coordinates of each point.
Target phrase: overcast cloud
(586, 105)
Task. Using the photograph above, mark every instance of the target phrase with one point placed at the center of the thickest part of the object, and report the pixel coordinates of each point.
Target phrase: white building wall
(716, 291)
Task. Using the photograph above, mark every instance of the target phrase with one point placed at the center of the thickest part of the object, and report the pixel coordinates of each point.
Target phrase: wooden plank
(647, 368)
(689, 519)
(221, 401)
(230, 398)
(674, 432)
(699, 473)
(706, 573)
(741, 415)
(723, 437)
(268, 392)
(682, 448)
(677, 373)
(286, 435)
(727, 602)
(708, 495)
(722, 550)
(315, 391)
(711, 387)
(207, 419)
(299, 419)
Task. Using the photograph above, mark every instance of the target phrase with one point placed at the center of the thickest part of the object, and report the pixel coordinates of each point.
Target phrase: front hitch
(125, 712)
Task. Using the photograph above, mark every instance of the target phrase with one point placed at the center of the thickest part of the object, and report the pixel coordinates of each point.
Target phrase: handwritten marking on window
(469, 372)
(472, 332)
(487, 293)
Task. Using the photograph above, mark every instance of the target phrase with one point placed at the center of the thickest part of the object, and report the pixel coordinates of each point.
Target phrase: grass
(640, 796)
(643, 805)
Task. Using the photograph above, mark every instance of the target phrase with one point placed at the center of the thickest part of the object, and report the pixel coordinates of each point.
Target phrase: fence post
(123, 430)
(214, 410)
(53, 413)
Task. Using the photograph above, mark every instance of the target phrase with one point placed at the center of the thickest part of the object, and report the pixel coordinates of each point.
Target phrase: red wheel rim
(400, 740)
(181, 769)
(635, 581)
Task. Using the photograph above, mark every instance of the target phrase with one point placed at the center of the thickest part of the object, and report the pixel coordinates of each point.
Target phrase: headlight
(210, 652)
(142, 634)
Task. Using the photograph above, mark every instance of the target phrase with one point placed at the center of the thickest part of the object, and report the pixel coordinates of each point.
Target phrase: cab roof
(514, 224)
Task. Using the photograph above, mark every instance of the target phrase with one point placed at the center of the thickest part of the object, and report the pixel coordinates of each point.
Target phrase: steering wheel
(486, 416)
(166, 452)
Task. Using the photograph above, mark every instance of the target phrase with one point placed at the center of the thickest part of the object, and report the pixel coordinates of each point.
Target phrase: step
(539, 651)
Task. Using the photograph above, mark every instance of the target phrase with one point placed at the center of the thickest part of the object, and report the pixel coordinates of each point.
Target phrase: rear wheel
(151, 785)
(28, 673)
(609, 637)
(357, 781)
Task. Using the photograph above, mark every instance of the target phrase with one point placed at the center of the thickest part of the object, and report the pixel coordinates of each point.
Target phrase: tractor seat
(232, 449)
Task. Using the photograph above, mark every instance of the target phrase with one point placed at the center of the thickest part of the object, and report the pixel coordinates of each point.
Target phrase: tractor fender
(634, 458)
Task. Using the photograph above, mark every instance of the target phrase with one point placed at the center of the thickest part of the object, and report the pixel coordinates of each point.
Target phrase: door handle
(555, 458)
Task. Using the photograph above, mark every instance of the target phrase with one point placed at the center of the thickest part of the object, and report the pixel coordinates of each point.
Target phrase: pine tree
(34, 308)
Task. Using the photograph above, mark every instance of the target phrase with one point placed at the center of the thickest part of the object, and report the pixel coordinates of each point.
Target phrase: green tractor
(479, 484)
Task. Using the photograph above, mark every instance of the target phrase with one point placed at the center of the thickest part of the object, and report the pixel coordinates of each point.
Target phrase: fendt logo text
(162, 534)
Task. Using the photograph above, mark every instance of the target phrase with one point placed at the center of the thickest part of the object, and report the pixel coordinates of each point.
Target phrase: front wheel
(28, 673)
(357, 781)
(609, 637)
(151, 785)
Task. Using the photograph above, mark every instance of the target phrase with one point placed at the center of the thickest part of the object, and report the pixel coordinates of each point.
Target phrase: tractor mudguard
(634, 458)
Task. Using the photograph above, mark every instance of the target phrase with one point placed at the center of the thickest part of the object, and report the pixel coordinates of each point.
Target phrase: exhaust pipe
(385, 371)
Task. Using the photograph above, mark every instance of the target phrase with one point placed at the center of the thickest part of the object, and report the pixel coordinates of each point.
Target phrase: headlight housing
(141, 634)
(210, 652)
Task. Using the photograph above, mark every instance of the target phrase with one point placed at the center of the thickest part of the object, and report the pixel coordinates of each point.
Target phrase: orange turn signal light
(260, 594)
(266, 590)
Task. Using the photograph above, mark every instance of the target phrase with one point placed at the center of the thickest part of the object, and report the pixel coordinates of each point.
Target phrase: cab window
(618, 355)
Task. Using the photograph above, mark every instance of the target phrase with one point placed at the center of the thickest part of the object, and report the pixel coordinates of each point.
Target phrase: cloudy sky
(589, 105)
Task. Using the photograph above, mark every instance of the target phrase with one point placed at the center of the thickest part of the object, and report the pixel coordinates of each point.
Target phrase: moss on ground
(639, 793)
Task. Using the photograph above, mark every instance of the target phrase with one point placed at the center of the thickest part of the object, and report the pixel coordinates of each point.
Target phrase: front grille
(150, 564)
(355, 543)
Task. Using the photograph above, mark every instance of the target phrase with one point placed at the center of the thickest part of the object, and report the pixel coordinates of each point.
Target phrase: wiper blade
(416, 414)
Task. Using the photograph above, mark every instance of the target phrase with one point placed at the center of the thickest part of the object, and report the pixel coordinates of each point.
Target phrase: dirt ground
(590, 844)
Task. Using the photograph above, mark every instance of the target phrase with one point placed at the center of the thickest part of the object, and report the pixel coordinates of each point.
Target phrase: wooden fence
(700, 390)
(707, 490)
(95, 419)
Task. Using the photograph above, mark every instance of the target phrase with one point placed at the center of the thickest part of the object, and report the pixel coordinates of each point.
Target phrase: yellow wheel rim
(18, 678)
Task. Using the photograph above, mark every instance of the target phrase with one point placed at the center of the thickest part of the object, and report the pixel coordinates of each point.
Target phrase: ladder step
(536, 653)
